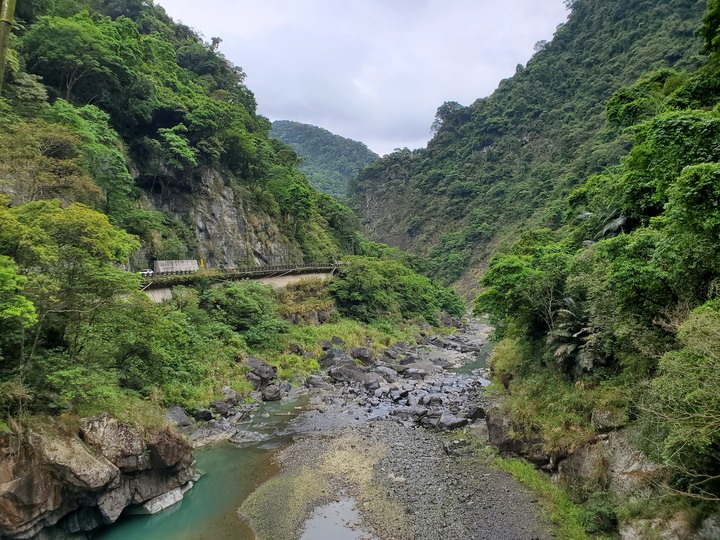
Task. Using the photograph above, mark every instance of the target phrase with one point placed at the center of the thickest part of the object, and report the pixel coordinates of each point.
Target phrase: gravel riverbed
(407, 483)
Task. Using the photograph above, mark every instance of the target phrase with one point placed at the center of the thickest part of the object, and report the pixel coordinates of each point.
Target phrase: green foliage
(370, 289)
(13, 306)
(505, 163)
(635, 317)
(249, 308)
(328, 160)
(684, 402)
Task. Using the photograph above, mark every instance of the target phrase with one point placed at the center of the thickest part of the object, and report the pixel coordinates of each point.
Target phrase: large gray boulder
(177, 416)
(260, 373)
(271, 393)
(122, 445)
(363, 354)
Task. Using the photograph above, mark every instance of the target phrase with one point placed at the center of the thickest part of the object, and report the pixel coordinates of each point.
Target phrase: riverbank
(377, 461)
(405, 483)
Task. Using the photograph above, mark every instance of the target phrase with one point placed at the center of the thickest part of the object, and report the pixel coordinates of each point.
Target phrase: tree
(16, 311)
(7, 11)
(685, 403)
(444, 113)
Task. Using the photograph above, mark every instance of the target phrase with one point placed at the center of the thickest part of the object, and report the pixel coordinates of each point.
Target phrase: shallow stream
(233, 472)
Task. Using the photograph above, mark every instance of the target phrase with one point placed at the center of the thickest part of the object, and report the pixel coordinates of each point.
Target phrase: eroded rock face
(611, 463)
(122, 445)
(80, 480)
(230, 231)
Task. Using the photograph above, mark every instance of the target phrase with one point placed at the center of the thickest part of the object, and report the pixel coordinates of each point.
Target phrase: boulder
(611, 463)
(410, 413)
(363, 354)
(271, 393)
(73, 462)
(415, 373)
(81, 484)
(449, 421)
(260, 373)
(388, 373)
(159, 503)
(346, 373)
(373, 381)
(168, 449)
(223, 408)
(202, 414)
(393, 353)
(499, 429)
(335, 357)
(337, 342)
(316, 381)
(176, 415)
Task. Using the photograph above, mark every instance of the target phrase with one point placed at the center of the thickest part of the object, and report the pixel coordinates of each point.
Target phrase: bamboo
(7, 12)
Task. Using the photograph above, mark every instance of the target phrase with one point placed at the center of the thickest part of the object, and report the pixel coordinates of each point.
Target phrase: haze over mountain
(328, 160)
(372, 70)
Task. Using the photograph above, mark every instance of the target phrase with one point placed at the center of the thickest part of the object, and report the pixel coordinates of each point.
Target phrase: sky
(371, 70)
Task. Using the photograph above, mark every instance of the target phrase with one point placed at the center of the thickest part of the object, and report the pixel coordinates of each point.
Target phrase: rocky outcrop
(260, 374)
(611, 463)
(230, 232)
(78, 481)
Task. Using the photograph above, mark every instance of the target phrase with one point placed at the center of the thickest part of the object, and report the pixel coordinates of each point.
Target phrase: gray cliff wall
(229, 230)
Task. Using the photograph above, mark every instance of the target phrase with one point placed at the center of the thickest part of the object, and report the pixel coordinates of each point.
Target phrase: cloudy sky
(371, 70)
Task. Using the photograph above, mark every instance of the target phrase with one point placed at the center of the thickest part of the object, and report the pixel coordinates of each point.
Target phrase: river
(232, 473)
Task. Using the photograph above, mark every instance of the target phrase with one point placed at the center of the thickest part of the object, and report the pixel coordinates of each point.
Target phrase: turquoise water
(209, 510)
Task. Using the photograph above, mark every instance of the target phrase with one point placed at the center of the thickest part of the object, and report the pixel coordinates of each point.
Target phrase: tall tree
(7, 12)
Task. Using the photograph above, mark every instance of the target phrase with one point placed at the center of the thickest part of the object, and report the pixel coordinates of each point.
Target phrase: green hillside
(114, 105)
(328, 160)
(126, 138)
(506, 161)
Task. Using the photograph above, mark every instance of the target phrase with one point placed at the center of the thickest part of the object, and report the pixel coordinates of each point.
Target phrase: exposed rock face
(612, 464)
(229, 231)
(80, 481)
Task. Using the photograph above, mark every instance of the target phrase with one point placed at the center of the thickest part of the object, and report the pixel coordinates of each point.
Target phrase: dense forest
(328, 160)
(507, 161)
(613, 318)
(113, 105)
(110, 111)
(584, 191)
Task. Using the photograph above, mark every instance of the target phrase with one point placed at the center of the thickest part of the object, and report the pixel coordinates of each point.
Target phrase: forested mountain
(506, 162)
(115, 105)
(126, 138)
(328, 160)
(590, 185)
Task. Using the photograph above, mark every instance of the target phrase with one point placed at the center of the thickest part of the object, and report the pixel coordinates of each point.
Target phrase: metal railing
(250, 272)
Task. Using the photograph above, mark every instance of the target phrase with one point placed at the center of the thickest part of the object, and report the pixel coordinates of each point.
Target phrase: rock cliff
(83, 480)
(228, 229)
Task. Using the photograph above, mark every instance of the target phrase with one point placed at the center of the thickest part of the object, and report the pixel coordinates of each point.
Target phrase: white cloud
(372, 70)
